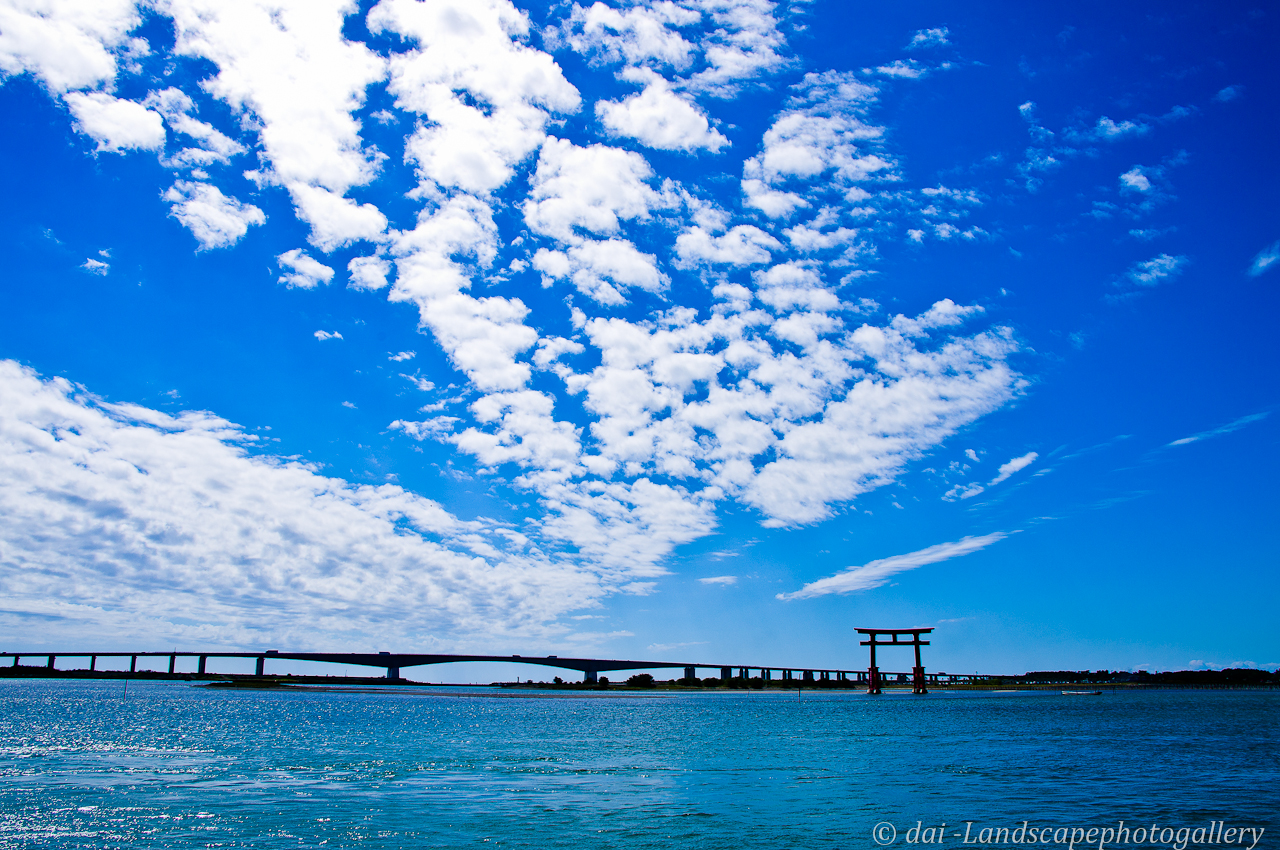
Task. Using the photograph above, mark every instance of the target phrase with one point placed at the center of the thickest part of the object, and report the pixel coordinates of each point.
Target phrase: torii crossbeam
(917, 672)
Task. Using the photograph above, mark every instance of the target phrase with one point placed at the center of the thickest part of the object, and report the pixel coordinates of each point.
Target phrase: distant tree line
(1229, 676)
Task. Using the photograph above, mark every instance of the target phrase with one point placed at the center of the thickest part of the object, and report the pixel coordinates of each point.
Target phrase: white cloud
(1155, 271)
(368, 272)
(110, 513)
(303, 272)
(1109, 131)
(775, 203)
(593, 188)
(486, 95)
(743, 245)
(288, 65)
(1265, 259)
(215, 220)
(1228, 94)
(878, 573)
(963, 491)
(97, 267)
(740, 40)
(114, 123)
(67, 44)
(1218, 432)
(780, 398)
(720, 580)
(323, 335)
(641, 35)
(1014, 465)
(402, 356)
(910, 69)
(1135, 180)
(215, 147)
(933, 37)
(821, 139)
(598, 267)
(741, 44)
(660, 118)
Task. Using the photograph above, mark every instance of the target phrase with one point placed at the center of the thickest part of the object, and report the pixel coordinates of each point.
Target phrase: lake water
(175, 765)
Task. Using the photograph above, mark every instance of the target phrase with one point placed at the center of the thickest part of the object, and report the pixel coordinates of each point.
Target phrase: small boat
(1082, 693)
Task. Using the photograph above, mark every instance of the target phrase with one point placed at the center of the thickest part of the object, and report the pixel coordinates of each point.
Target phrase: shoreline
(377, 684)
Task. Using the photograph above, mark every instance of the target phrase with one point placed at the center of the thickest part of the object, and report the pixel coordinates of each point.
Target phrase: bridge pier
(200, 668)
(93, 663)
(393, 673)
(808, 675)
(52, 658)
(133, 664)
(262, 661)
(589, 677)
(690, 673)
(173, 662)
(16, 658)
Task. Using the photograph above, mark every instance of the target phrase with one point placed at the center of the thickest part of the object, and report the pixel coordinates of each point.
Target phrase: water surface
(176, 765)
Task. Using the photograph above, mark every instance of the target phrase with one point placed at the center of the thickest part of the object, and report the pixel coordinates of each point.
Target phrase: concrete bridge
(590, 668)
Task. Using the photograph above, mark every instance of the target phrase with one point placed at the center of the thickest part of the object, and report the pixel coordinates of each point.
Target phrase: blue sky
(703, 331)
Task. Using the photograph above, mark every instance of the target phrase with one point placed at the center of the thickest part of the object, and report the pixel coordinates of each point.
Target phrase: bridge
(590, 668)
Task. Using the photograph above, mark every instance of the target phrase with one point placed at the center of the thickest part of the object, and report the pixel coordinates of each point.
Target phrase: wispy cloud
(877, 573)
(933, 37)
(1266, 258)
(668, 647)
(1156, 270)
(1008, 469)
(723, 580)
(1218, 432)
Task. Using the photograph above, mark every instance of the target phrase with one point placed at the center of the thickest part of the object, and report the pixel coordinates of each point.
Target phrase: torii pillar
(917, 672)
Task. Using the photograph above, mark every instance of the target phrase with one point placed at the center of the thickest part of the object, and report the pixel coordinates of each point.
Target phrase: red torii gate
(917, 672)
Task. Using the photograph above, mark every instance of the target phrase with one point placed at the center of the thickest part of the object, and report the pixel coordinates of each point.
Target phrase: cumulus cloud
(599, 267)
(590, 189)
(323, 335)
(67, 45)
(289, 65)
(97, 267)
(302, 271)
(877, 573)
(638, 36)
(743, 245)
(368, 272)
(215, 220)
(114, 123)
(659, 118)
(1134, 179)
(214, 146)
(488, 96)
